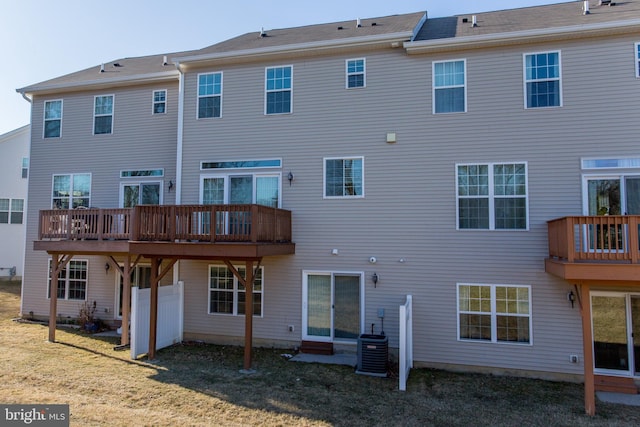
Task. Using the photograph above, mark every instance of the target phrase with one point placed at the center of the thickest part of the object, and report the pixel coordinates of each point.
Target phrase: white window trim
(240, 168)
(113, 109)
(44, 118)
(71, 175)
(198, 96)
(10, 210)
(239, 172)
(154, 102)
(23, 168)
(619, 176)
(142, 177)
(66, 286)
(433, 85)
(266, 69)
(494, 314)
(491, 196)
(636, 54)
(525, 81)
(348, 74)
(235, 291)
(138, 183)
(305, 278)
(324, 177)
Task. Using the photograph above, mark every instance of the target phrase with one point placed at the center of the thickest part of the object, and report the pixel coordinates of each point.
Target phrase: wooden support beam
(248, 315)
(58, 263)
(587, 347)
(126, 300)
(153, 309)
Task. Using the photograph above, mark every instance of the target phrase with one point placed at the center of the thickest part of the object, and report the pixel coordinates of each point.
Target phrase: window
(71, 191)
(492, 196)
(103, 114)
(139, 173)
(11, 211)
(494, 313)
(52, 118)
(159, 101)
(355, 73)
(542, 80)
(248, 188)
(242, 164)
(72, 280)
(227, 295)
(141, 193)
(209, 95)
(637, 61)
(25, 167)
(278, 90)
(344, 177)
(449, 87)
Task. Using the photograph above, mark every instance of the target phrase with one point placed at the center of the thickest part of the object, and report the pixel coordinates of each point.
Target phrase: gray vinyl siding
(139, 140)
(409, 208)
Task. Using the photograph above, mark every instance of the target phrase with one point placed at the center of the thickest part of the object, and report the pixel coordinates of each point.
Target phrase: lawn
(201, 385)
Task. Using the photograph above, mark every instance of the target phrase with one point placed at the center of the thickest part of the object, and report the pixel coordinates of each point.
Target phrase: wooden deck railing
(208, 223)
(611, 238)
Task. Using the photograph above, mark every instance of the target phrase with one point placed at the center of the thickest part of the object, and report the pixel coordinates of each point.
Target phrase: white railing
(406, 342)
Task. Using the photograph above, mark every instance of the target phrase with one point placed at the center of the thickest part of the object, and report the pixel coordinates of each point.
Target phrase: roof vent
(102, 68)
(358, 23)
(465, 20)
(373, 24)
(341, 28)
(474, 21)
(262, 32)
(585, 7)
(117, 64)
(164, 60)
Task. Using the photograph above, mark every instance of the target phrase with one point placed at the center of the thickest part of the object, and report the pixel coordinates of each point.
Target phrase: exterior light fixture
(571, 297)
(290, 178)
(374, 279)
(170, 185)
(106, 268)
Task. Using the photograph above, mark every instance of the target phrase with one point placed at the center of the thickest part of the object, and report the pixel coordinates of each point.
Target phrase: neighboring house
(427, 153)
(14, 175)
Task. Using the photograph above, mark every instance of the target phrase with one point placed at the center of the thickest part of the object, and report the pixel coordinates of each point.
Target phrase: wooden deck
(186, 231)
(595, 248)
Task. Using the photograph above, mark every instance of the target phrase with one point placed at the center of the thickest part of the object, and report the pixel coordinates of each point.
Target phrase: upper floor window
(209, 95)
(52, 119)
(278, 86)
(25, 167)
(494, 313)
(637, 61)
(492, 196)
(344, 177)
(355, 73)
(159, 101)
(449, 87)
(103, 114)
(245, 188)
(11, 211)
(71, 191)
(228, 296)
(542, 80)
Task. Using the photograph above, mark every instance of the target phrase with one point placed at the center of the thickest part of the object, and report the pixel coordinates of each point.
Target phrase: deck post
(53, 298)
(248, 315)
(153, 309)
(126, 300)
(587, 343)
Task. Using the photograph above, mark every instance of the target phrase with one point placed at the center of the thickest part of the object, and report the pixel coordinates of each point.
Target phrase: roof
(14, 133)
(418, 34)
(552, 16)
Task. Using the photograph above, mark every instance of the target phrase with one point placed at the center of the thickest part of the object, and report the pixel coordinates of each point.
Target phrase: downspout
(179, 147)
(26, 202)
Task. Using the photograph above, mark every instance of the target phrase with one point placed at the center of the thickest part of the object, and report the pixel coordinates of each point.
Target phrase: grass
(201, 385)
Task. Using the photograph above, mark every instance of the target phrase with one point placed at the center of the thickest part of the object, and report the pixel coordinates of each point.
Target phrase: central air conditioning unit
(373, 353)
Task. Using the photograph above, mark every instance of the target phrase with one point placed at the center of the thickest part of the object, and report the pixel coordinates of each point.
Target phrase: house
(14, 174)
(487, 165)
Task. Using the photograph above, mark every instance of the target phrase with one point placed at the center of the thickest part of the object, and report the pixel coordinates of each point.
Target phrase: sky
(41, 40)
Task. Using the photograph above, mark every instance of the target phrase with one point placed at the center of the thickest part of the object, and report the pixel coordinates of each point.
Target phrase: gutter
(100, 83)
(527, 36)
(318, 46)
